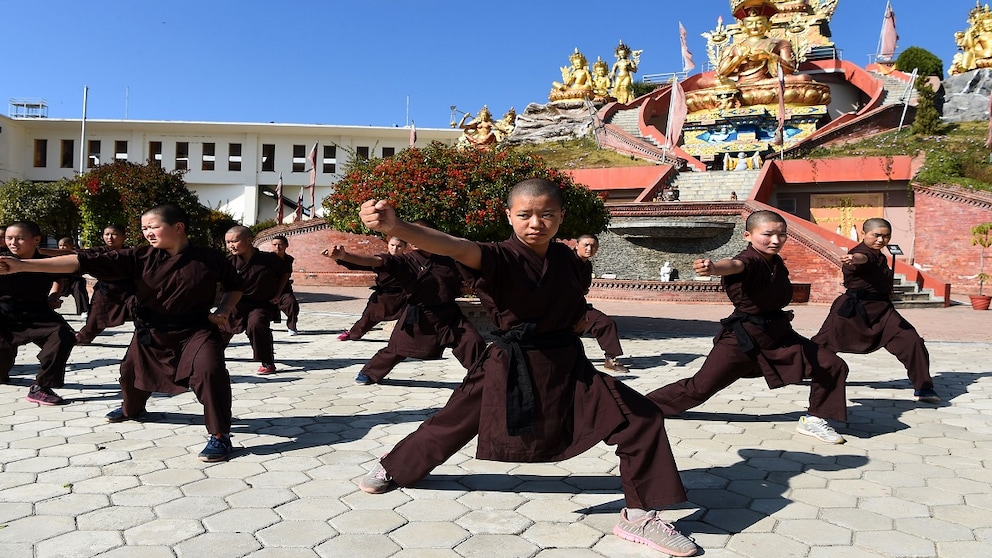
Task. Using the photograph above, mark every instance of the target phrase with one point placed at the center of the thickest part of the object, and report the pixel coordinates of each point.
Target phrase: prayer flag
(313, 179)
(780, 132)
(687, 62)
(676, 115)
(279, 208)
(413, 134)
(889, 37)
(298, 214)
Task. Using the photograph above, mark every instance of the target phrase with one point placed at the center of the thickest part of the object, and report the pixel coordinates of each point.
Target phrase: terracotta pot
(980, 302)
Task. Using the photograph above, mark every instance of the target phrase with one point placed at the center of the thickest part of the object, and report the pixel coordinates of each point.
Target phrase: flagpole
(82, 135)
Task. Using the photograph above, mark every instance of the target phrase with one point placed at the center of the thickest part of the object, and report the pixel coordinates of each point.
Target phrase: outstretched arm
(380, 216)
(719, 268)
(338, 253)
(59, 264)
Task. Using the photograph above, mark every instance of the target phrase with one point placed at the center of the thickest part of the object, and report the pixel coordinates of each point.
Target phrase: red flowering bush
(462, 191)
(119, 192)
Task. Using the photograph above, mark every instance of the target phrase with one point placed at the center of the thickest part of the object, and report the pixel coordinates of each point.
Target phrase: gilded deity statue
(601, 81)
(503, 127)
(623, 72)
(975, 43)
(751, 65)
(576, 80)
(478, 132)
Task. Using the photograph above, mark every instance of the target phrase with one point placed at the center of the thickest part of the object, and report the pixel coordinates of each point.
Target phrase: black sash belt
(735, 323)
(415, 311)
(854, 303)
(521, 409)
(145, 320)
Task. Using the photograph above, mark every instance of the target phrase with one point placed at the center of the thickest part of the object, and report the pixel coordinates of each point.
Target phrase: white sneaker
(290, 332)
(819, 429)
(84, 315)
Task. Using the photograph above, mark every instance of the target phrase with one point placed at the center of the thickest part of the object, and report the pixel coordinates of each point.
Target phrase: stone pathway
(913, 479)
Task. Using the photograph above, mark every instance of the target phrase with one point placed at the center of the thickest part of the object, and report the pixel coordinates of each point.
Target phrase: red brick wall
(944, 217)
(308, 239)
(806, 266)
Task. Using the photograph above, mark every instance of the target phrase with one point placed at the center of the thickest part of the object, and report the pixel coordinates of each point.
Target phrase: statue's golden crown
(577, 57)
(751, 8)
(979, 13)
(600, 65)
(622, 50)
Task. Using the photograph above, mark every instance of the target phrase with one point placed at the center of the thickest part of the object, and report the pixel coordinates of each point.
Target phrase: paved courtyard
(913, 480)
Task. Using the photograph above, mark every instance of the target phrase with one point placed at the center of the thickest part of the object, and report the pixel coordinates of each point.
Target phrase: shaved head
(536, 187)
(875, 223)
(241, 231)
(762, 217)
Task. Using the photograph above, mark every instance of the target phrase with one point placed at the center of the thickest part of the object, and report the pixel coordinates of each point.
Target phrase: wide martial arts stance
(431, 319)
(534, 396)
(758, 339)
(598, 324)
(75, 286)
(27, 315)
(264, 275)
(287, 299)
(387, 300)
(113, 301)
(176, 345)
(863, 320)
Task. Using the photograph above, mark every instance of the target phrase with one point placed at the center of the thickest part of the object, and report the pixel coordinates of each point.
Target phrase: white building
(234, 167)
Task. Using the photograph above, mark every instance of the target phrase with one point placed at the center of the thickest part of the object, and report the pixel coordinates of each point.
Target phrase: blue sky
(357, 63)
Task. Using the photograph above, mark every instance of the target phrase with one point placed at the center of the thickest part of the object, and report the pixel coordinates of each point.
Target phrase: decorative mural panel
(844, 213)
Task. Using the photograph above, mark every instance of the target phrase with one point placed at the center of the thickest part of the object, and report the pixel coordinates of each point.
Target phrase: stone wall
(944, 217)
(966, 96)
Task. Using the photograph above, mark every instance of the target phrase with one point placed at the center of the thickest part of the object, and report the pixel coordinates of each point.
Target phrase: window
(388, 152)
(68, 149)
(120, 150)
(362, 152)
(182, 155)
(207, 163)
(93, 155)
(155, 153)
(41, 153)
(299, 158)
(787, 204)
(330, 158)
(268, 157)
(234, 157)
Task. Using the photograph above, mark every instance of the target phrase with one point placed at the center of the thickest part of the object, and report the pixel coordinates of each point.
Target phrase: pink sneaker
(344, 336)
(43, 396)
(265, 369)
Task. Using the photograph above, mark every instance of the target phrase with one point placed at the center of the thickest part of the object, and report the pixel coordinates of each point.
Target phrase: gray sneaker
(656, 533)
(377, 480)
(819, 429)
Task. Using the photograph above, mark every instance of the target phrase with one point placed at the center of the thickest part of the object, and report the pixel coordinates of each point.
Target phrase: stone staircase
(714, 185)
(894, 90)
(907, 294)
(626, 120)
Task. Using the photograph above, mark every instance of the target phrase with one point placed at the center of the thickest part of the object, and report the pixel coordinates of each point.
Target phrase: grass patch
(580, 153)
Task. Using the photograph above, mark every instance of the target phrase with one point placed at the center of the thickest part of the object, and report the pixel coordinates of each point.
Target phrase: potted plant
(981, 235)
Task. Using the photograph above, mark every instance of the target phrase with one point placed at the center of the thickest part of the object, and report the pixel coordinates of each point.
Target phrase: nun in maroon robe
(387, 302)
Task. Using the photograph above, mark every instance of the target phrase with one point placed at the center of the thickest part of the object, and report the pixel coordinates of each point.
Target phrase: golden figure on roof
(576, 80)
(601, 82)
(503, 127)
(975, 43)
(623, 72)
(751, 65)
(478, 132)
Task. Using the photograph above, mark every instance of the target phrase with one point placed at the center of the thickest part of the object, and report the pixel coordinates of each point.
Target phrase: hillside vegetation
(579, 154)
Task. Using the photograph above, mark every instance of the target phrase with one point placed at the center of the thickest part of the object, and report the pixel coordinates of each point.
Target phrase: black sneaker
(217, 449)
(117, 415)
(43, 396)
(926, 396)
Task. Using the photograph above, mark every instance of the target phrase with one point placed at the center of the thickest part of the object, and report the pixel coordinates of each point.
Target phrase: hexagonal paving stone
(35, 528)
(366, 546)
(115, 518)
(814, 532)
(434, 510)
(261, 498)
(498, 522)
(191, 507)
(547, 534)
(80, 544)
(241, 520)
(218, 545)
(495, 546)
(296, 533)
(368, 522)
(429, 534)
(72, 504)
(162, 531)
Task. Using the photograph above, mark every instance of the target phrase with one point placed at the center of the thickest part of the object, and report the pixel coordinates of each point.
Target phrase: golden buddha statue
(975, 43)
(623, 72)
(601, 81)
(478, 132)
(503, 127)
(576, 80)
(751, 66)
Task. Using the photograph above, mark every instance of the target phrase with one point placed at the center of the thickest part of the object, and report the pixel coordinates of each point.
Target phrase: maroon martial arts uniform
(599, 325)
(387, 302)
(26, 317)
(75, 286)
(431, 319)
(175, 347)
(534, 396)
(112, 305)
(758, 340)
(264, 274)
(287, 299)
(863, 320)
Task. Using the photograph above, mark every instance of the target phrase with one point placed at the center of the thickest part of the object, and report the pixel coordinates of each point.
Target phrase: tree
(462, 191)
(927, 121)
(46, 203)
(922, 59)
(643, 88)
(119, 192)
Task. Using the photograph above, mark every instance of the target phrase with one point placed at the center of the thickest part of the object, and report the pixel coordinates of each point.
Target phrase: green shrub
(916, 57)
(45, 203)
